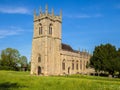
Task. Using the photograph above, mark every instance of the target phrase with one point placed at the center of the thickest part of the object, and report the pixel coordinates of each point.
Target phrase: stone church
(49, 55)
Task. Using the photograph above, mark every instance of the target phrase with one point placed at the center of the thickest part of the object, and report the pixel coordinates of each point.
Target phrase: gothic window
(39, 58)
(50, 29)
(63, 65)
(77, 65)
(81, 64)
(40, 29)
(84, 65)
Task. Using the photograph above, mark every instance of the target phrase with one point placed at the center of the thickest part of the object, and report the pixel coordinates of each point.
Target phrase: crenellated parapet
(46, 14)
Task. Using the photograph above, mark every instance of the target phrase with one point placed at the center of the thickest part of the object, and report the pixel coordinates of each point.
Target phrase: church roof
(67, 47)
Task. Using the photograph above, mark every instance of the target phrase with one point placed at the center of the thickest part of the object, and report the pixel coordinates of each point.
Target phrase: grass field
(11, 80)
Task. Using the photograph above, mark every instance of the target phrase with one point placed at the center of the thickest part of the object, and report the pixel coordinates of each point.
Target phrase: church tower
(46, 43)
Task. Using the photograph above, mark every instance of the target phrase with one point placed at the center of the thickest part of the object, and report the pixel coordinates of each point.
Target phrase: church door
(68, 70)
(39, 70)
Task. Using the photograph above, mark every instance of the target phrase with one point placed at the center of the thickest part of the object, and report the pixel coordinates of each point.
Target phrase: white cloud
(78, 16)
(11, 31)
(5, 33)
(14, 10)
(83, 16)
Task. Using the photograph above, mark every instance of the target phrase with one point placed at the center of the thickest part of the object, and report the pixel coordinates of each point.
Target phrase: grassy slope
(11, 80)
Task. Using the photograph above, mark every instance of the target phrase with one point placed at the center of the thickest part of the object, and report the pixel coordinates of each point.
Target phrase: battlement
(48, 15)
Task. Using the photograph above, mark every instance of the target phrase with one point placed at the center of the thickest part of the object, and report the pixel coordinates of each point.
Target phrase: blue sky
(85, 23)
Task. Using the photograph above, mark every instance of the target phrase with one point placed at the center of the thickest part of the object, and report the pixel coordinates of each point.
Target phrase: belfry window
(40, 29)
(50, 29)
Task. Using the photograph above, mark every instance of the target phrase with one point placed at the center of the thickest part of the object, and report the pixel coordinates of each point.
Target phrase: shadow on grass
(8, 85)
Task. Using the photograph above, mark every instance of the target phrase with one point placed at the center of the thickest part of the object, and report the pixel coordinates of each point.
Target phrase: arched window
(84, 65)
(81, 64)
(77, 65)
(39, 58)
(72, 65)
(40, 29)
(50, 29)
(63, 65)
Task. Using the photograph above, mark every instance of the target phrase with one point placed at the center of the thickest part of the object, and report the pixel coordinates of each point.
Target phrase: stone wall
(79, 60)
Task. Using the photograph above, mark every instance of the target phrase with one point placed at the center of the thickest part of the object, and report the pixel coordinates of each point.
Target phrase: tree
(29, 66)
(0, 62)
(103, 58)
(23, 63)
(10, 58)
(117, 64)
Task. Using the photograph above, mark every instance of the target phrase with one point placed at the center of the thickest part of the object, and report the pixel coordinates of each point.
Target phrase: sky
(85, 23)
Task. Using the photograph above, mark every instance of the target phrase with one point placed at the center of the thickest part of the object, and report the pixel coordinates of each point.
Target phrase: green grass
(11, 80)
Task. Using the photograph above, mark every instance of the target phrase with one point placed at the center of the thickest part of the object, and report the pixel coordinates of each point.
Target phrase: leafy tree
(10, 58)
(117, 64)
(118, 53)
(29, 66)
(0, 62)
(103, 58)
(23, 61)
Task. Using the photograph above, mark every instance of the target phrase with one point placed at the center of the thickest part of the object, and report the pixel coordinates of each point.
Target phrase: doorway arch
(39, 70)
